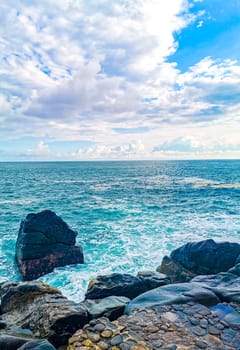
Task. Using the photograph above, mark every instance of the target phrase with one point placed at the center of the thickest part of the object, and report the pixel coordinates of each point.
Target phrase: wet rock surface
(225, 285)
(124, 284)
(44, 242)
(41, 309)
(174, 294)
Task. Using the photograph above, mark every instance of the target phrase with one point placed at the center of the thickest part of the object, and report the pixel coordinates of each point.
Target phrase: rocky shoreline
(191, 301)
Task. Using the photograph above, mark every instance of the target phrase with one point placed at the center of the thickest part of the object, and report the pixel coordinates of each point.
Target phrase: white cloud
(113, 151)
(79, 69)
(41, 150)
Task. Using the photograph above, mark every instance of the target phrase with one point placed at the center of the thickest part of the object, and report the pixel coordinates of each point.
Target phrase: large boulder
(124, 284)
(41, 309)
(200, 258)
(180, 293)
(44, 242)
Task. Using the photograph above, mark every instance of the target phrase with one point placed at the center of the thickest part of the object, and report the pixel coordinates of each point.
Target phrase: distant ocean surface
(128, 214)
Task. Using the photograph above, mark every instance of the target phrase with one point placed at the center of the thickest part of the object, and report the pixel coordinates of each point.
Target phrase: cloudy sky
(119, 79)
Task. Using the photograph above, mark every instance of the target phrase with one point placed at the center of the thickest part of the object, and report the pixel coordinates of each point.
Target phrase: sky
(122, 79)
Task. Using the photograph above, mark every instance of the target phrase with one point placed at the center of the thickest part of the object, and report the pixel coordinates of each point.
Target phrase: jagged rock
(44, 242)
(42, 309)
(225, 285)
(174, 294)
(200, 258)
(124, 284)
(37, 345)
(110, 307)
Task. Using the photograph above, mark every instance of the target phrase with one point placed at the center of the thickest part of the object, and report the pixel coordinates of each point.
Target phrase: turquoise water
(128, 214)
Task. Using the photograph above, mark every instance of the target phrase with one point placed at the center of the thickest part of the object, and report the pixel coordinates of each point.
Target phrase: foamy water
(128, 214)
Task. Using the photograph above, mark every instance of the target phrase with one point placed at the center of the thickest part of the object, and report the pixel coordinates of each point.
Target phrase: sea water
(128, 214)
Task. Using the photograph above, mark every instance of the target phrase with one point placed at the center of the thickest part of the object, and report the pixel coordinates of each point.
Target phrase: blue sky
(124, 79)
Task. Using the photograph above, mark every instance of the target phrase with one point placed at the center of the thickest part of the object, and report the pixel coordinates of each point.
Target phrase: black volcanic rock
(207, 257)
(44, 242)
(42, 309)
(200, 258)
(126, 285)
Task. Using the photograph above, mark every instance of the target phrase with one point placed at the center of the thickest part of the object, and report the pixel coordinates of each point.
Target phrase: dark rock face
(200, 258)
(207, 257)
(175, 271)
(41, 309)
(181, 293)
(110, 307)
(124, 285)
(44, 242)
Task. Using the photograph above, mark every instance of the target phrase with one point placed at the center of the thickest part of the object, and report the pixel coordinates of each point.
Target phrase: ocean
(128, 214)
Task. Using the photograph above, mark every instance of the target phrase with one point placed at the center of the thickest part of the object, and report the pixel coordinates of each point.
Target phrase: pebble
(171, 347)
(203, 323)
(152, 329)
(124, 346)
(213, 330)
(194, 321)
(107, 333)
(93, 322)
(219, 326)
(103, 345)
(116, 340)
(198, 331)
(94, 337)
(164, 327)
(201, 344)
(99, 327)
(204, 312)
(153, 336)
